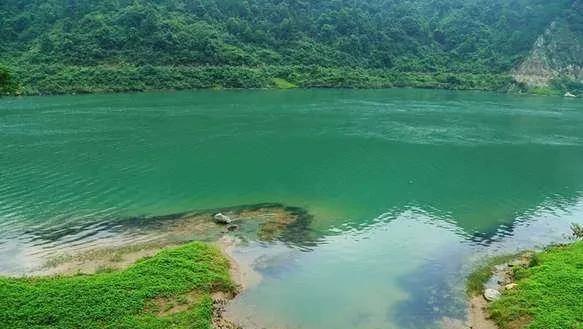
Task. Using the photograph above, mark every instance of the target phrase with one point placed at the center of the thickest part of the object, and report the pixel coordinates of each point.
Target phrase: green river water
(408, 188)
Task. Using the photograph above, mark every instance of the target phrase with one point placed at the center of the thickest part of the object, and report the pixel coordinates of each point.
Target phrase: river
(407, 188)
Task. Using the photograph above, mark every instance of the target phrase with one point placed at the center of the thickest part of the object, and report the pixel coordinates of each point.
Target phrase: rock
(232, 227)
(510, 286)
(222, 219)
(491, 294)
(568, 94)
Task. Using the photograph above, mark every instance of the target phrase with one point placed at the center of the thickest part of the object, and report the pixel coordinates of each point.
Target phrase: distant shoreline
(72, 90)
(62, 79)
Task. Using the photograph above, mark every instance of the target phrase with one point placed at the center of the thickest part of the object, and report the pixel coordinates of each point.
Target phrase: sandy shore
(478, 317)
(242, 273)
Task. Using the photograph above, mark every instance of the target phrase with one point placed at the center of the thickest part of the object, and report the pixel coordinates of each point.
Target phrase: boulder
(222, 219)
(568, 94)
(491, 294)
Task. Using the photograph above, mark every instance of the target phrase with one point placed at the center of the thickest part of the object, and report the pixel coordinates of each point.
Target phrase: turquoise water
(407, 187)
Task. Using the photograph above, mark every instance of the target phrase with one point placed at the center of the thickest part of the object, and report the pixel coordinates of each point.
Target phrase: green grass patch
(121, 299)
(279, 83)
(476, 280)
(545, 91)
(549, 294)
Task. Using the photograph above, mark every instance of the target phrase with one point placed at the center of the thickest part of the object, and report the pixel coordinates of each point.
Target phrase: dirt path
(478, 317)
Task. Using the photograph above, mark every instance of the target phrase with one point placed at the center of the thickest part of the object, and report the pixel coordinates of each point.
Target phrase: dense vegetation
(139, 297)
(6, 83)
(548, 295)
(82, 46)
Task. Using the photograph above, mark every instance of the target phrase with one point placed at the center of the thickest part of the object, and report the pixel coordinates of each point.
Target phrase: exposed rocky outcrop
(557, 53)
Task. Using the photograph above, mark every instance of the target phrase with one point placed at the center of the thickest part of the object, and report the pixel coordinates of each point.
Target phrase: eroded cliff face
(557, 53)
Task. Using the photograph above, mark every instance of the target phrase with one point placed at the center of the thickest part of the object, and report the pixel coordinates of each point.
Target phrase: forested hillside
(53, 46)
(6, 84)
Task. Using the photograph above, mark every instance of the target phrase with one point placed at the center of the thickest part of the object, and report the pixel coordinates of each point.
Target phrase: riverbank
(529, 290)
(66, 79)
(213, 278)
(173, 288)
(63, 80)
(165, 282)
(169, 282)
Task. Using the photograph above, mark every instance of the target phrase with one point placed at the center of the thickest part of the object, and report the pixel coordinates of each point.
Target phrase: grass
(132, 298)
(549, 294)
(279, 83)
(544, 91)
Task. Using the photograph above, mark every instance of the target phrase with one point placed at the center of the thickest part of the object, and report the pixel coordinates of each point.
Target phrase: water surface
(407, 187)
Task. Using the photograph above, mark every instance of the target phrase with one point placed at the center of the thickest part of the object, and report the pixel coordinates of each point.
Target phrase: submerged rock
(491, 294)
(232, 227)
(222, 219)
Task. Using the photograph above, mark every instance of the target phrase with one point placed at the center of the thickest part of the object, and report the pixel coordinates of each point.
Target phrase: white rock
(510, 286)
(222, 219)
(568, 94)
(491, 294)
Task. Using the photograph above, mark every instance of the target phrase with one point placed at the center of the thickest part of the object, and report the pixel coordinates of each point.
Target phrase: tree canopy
(421, 36)
(5, 80)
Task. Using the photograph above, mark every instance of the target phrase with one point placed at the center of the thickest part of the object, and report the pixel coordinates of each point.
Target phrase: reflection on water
(406, 270)
(454, 176)
(402, 269)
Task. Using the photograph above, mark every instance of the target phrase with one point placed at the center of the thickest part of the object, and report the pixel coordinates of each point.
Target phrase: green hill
(56, 46)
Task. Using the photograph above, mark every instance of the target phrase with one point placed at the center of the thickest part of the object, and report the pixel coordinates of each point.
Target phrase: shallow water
(407, 187)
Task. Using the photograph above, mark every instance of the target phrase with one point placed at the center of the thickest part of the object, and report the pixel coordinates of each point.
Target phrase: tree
(6, 83)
